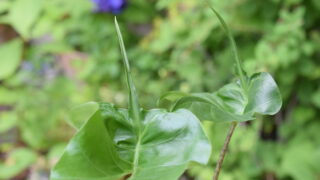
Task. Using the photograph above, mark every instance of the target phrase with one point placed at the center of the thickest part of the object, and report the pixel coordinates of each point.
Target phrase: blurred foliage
(59, 53)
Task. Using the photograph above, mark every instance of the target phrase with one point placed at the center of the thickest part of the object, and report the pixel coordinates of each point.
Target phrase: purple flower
(113, 6)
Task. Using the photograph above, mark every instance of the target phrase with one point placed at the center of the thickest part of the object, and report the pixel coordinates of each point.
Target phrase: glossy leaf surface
(82, 113)
(106, 147)
(232, 102)
(114, 143)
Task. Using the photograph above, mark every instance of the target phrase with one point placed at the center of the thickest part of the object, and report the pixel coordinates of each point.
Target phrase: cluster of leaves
(60, 43)
(278, 37)
(160, 144)
(114, 143)
(49, 51)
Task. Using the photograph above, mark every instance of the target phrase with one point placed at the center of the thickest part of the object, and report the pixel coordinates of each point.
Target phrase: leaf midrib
(136, 157)
(138, 147)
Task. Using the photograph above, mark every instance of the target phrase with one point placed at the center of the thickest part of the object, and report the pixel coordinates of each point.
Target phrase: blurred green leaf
(8, 97)
(23, 14)
(7, 121)
(10, 54)
(17, 161)
(300, 162)
(316, 98)
(4, 6)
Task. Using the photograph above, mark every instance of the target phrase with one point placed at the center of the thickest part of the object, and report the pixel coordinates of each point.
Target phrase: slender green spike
(233, 45)
(134, 107)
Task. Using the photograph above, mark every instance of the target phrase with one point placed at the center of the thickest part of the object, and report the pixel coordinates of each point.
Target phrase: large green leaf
(232, 102)
(106, 147)
(115, 143)
(10, 54)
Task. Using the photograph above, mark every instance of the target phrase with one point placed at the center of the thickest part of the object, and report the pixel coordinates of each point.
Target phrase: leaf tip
(115, 20)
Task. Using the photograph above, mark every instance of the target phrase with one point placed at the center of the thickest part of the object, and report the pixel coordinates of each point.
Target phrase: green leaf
(235, 102)
(10, 54)
(107, 148)
(4, 6)
(116, 143)
(232, 102)
(133, 98)
(300, 161)
(82, 113)
(7, 121)
(263, 95)
(165, 100)
(7, 96)
(23, 14)
(316, 98)
(17, 161)
(233, 44)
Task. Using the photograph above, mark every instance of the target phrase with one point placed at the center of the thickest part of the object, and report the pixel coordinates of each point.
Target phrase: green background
(57, 54)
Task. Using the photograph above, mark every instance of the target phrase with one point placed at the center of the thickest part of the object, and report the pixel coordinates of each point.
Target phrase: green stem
(224, 150)
(136, 158)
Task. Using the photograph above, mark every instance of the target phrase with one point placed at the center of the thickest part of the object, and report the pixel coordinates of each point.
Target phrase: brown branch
(224, 151)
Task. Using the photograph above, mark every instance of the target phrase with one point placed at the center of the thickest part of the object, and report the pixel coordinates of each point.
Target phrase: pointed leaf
(233, 44)
(106, 147)
(133, 98)
(263, 95)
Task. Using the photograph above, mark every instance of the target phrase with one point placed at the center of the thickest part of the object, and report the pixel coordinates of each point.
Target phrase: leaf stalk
(224, 150)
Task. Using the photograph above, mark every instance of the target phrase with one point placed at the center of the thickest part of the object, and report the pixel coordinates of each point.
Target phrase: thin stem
(224, 150)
